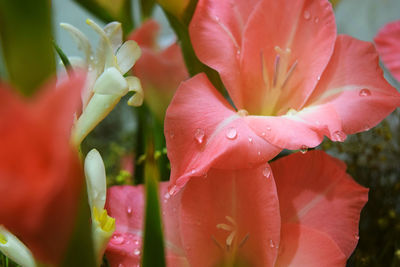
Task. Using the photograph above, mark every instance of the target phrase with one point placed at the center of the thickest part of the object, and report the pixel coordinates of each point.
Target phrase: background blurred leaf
(80, 250)
(153, 243)
(147, 7)
(26, 35)
(111, 10)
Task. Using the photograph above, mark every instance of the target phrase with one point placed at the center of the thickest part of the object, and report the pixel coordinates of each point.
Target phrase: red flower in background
(387, 43)
(159, 70)
(40, 173)
(302, 210)
(292, 79)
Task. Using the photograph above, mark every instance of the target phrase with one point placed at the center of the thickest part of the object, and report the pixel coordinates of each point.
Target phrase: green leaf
(80, 251)
(62, 56)
(153, 243)
(26, 33)
(193, 64)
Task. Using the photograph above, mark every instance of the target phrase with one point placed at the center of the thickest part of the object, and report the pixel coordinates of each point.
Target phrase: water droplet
(318, 78)
(307, 15)
(217, 18)
(356, 237)
(238, 53)
(172, 190)
(268, 128)
(271, 243)
(365, 92)
(339, 136)
(267, 172)
(263, 134)
(199, 135)
(303, 149)
(129, 210)
(136, 252)
(171, 135)
(316, 19)
(117, 239)
(136, 242)
(193, 171)
(250, 140)
(259, 153)
(121, 265)
(231, 133)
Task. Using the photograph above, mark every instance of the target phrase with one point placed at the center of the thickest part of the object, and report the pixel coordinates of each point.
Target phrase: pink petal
(353, 84)
(301, 130)
(387, 43)
(203, 130)
(146, 34)
(248, 196)
(316, 192)
(307, 28)
(126, 205)
(216, 32)
(302, 246)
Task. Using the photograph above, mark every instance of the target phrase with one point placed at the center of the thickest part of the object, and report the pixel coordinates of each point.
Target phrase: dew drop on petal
(117, 239)
(136, 252)
(365, 92)
(356, 237)
(199, 135)
(231, 133)
(268, 128)
(172, 190)
(171, 135)
(238, 53)
(316, 19)
(121, 265)
(318, 78)
(243, 113)
(271, 243)
(339, 136)
(263, 134)
(193, 171)
(303, 149)
(250, 140)
(167, 195)
(129, 210)
(267, 172)
(307, 15)
(259, 153)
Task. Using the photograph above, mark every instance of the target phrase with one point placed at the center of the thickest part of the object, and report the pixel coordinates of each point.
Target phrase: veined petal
(316, 192)
(111, 82)
(247, 202)
(95, 180)
(202, 130)
(81, 40)
(302, 246)
(113, 31)
(216, 31)
(127, 55)
(286, 46)
(353, 84)
(387, 43)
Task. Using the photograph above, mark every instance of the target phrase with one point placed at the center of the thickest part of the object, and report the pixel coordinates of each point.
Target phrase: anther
(245, 238)
(276, 70)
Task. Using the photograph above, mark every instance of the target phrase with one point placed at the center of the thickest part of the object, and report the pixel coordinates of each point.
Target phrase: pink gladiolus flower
(40, 173)
(291, 78)
(302, 210)
(387, 42)
(126, 205)
(160, 71)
